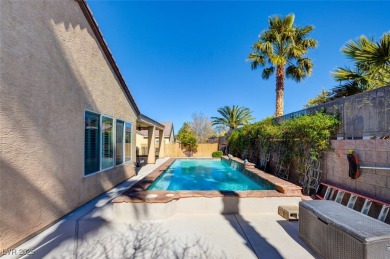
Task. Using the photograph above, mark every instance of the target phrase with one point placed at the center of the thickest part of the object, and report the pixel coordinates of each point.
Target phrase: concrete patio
(86, 233)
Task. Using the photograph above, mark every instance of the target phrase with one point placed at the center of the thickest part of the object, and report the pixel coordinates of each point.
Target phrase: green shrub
(258, 136)
(302, 137)
(187, 138)
(217, 154)
(310, 134)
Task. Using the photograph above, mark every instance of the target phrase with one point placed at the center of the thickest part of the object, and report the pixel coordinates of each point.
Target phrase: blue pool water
(204, 174)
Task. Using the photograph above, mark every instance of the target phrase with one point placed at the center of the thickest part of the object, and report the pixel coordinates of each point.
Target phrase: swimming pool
(204, 175)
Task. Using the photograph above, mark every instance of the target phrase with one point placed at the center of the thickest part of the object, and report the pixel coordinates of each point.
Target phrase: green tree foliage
(323, 97)
(371, 63)
(259, 136)
(187, 138)
(283, 44)
(302, 137)
(371, 69)
(233, 117)
(309, 135)
(217, 154)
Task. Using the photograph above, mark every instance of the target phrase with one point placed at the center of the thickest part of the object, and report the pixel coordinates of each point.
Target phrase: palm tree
(279, 46)
(372, 64)
(233, 117)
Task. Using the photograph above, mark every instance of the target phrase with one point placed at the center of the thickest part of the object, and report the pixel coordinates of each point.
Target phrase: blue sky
(182, 57)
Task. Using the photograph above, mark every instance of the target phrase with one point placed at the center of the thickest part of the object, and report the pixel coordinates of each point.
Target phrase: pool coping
(138, 193)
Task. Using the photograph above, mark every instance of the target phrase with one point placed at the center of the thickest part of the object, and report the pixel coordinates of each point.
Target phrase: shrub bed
(300, 138)
(217, 154)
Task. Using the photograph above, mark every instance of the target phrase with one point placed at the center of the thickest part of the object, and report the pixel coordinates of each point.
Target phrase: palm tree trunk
(279, 90)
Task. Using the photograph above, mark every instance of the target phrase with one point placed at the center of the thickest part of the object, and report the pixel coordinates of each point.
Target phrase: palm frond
(267, 72)
(367, 53)
(346, 89)
(256, 60)
(288, 21)
(301, 70)
(232, 116)
(345, 74)
(305, 30)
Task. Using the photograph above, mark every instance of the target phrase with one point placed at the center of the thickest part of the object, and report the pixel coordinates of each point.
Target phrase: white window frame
(101, 142)
(124, 142)
(123, 146)
(100, 119)
(114, 120)
(131, 138)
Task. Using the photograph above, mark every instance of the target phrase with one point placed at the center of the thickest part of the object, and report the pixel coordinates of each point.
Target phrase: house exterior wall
(371, 153)
(52, 70)
(142, 141)
(171, 139)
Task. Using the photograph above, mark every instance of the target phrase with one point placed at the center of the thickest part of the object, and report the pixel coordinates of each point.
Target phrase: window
(128, 142)
(107, 142)
(119, 142)
(104, 145)
(92, 143)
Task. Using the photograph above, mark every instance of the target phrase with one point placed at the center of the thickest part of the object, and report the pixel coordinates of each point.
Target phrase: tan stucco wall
(171, 139)
(142, 141)
(203, 150)
(167, 140)
(52, 69)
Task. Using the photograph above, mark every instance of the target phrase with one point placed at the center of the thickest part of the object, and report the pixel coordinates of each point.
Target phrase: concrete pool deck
(91, 232)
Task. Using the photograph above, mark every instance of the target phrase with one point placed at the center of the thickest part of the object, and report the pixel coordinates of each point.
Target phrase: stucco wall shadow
(52, 70)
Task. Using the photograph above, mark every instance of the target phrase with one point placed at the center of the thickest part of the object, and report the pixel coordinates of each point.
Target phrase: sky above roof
(182, 57)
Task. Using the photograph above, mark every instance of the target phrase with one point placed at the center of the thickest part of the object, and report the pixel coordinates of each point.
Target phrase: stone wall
(372, 153)
(52, 70)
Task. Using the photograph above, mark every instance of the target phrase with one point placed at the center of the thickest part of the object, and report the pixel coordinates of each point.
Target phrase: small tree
(187, 138)
(202, 127)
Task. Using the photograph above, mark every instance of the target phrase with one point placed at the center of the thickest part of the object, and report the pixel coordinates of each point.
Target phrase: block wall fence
(203, 150)
(374, 183)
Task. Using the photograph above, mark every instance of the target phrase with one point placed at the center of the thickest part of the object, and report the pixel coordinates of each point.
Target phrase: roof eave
(145, 119)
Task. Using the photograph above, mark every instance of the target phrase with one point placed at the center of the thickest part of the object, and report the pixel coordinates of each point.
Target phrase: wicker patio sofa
(335, 231)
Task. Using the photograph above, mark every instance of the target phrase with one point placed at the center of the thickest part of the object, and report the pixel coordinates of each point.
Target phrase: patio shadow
(292, 230)
(253, 239)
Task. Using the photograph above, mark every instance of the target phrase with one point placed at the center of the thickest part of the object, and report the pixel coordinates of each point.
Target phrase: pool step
(289, 212)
